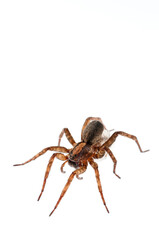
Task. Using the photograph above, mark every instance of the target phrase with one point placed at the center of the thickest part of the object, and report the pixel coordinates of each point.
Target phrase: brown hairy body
(95, 143)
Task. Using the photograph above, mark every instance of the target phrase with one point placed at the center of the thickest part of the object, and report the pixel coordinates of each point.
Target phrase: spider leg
(112, 139)
(95, 167)
(113, 159)
(60, 149)
(62, 166)
(76, 172)
(57, 155)
(68, 136)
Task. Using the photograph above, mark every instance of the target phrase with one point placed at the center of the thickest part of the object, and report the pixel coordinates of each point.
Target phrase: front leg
(112, 139)
(77, 173)
(58, 149)
(95, 167)
(60, 156)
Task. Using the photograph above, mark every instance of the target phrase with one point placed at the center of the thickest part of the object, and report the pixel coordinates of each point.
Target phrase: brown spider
(95, 143)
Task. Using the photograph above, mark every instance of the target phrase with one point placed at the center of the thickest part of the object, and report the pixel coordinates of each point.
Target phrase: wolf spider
(95, 143)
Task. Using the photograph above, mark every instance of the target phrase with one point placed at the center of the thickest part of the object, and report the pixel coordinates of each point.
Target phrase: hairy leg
(76, 172)
(99, 153)
(57, 155)
(58, 149)
(62, 166)
(112, 139)
(113, 159)
(68, 135)
(95, 167)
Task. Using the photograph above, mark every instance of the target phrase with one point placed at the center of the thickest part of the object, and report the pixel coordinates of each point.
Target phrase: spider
(95, 143)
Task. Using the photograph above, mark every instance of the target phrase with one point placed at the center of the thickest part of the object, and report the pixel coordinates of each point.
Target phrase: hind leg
(68, 136)
(113, 159)
(112, 139)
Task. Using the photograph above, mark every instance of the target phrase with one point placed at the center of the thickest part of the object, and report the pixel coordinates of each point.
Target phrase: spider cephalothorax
(81, 152)
(95, 143)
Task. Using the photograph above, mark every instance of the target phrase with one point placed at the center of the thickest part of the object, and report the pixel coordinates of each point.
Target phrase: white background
(61, 62)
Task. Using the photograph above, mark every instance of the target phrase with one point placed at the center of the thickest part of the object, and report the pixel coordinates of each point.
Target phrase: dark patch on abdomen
(93, 132)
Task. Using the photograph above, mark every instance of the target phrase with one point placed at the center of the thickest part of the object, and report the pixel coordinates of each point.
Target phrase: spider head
(80, 152)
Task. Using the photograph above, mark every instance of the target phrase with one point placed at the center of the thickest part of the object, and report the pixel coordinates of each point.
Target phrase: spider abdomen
(93, 132)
